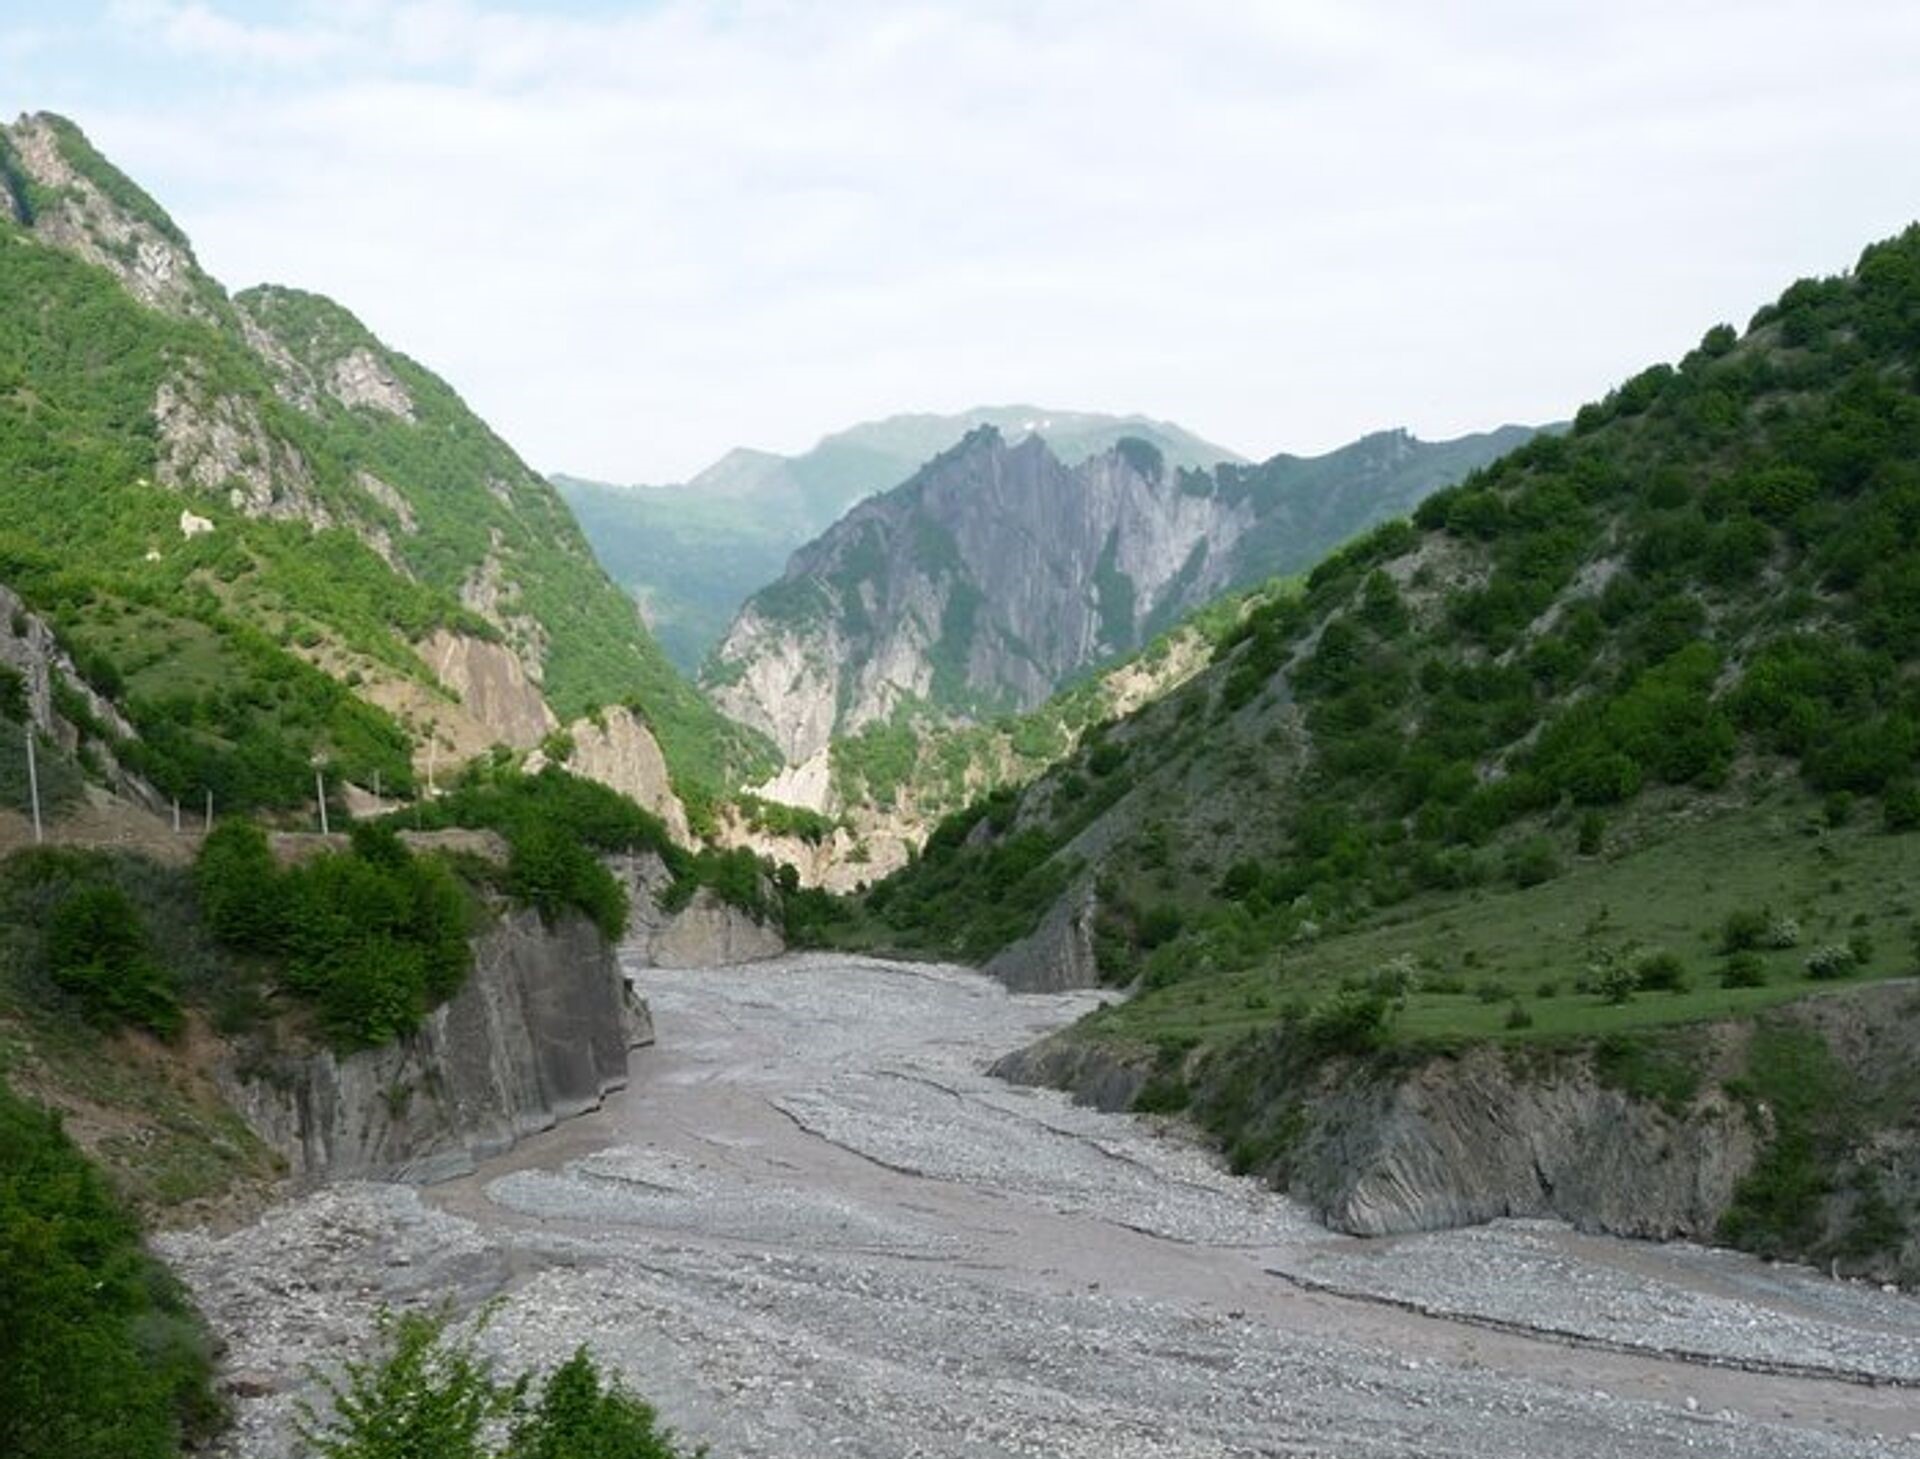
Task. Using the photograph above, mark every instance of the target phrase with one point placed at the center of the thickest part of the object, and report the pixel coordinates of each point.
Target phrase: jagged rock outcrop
(1056, 955)
(615, 748)
(492, 685)
(48, 181)
(29, 648)
(1453, 1141)
(997, 573)
(539, 1032)
(705, 933)
(218, 444)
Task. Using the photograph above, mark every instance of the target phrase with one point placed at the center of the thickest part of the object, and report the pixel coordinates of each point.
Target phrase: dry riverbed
(813, 1227)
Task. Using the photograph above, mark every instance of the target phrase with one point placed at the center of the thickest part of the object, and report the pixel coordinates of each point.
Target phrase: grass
(1672, 894)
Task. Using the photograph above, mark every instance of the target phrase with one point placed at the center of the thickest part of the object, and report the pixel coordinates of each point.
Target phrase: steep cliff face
(998, 572)
(705, 933)
(539, 1032)
(616, 749)
(693, 553)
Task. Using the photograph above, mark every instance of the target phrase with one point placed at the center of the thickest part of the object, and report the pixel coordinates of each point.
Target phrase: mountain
(999, 572)
(270, 538)
(1541, 856)
(692, 554)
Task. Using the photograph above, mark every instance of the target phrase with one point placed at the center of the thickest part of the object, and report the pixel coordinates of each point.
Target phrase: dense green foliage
(206, 638)
(373, 937)
(1719, 561)
(427, 1394)
(1671, 654)
(100, 1352)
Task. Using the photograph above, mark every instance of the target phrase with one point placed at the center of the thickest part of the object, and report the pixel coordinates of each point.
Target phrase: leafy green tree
(98, 951)
(100, 1354)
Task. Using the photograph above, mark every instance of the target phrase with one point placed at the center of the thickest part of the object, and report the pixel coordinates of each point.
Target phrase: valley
(812, 1226)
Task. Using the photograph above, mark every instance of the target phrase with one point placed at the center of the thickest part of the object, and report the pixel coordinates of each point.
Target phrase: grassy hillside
(1620, 732)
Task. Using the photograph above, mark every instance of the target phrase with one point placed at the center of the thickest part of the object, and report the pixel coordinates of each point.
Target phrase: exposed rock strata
(1455, 1141)
(491, 684)
(706, 933)
(1056, 955)
(539, 1032)
(616, 749)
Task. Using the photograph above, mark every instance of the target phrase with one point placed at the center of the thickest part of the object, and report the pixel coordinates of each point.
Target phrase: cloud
(635, 235)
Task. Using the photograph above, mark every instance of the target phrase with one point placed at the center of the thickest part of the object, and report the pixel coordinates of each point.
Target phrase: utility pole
(376, 793)
(320, 790)
(176, 815)
(209, 823)
(33, 785)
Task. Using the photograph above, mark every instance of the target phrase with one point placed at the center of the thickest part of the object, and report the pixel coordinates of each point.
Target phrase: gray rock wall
(1056, 955)
(539, 1032)
(706, 933)
(1459, 1141)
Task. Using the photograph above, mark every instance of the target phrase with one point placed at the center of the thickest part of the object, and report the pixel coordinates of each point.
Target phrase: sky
(635, 235)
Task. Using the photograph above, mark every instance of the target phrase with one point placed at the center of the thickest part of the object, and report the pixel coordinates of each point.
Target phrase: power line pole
(33, 785)
(320, 789)
(176, 815)
(209, 822)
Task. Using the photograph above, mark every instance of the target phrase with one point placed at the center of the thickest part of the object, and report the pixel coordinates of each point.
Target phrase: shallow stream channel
(813, 1226)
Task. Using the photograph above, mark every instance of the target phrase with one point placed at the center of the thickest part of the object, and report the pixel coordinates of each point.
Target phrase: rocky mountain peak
(70, 196)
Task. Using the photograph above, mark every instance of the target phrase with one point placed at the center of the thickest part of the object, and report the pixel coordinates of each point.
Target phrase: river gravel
(812, 1226)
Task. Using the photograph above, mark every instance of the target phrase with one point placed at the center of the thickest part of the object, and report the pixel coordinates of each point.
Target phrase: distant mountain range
(691, 554)
(1000, 571)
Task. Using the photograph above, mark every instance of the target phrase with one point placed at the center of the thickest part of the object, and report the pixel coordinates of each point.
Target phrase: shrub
(1352, 1023)
(1743, 970)
(426, 1395)
(100, 1353)
(1614, 982)
(1782, 933)
(1744, 930)
(1533, 862)
(1518, 1017)
(1832, 961)
(1660, 972)
(1592, 834)
(240, 887)
(1900, 807)
(98, 951)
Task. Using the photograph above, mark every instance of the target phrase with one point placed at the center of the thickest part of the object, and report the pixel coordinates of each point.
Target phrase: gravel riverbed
(813, 1226)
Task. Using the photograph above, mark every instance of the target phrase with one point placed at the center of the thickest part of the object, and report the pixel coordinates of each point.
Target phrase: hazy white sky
(636, 234)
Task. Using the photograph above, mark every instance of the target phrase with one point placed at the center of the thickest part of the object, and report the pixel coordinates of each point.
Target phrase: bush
(1824, 964)
(1900, 807)
(1518, 1017)
(1743, 931)
(425, 1395)
(1351, 1022)
(373, 938)
(1743, 970)
(98, 951)
(1533, 862)
(1592, 834)
(100, 1353)
(1660, 972)
(240, 887)
(1782, 933)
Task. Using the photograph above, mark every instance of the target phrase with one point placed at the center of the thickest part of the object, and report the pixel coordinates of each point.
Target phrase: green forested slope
(1618, 736)
(348, 504)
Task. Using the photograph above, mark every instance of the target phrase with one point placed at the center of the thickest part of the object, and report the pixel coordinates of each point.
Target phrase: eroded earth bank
(812, 1226)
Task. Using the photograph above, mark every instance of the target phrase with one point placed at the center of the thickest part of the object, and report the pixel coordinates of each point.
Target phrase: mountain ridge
(692, 553)
(997, 573)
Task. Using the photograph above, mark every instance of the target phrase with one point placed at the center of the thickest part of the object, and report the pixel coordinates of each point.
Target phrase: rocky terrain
(692, 553)
(811, 1225)
(998, 572)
